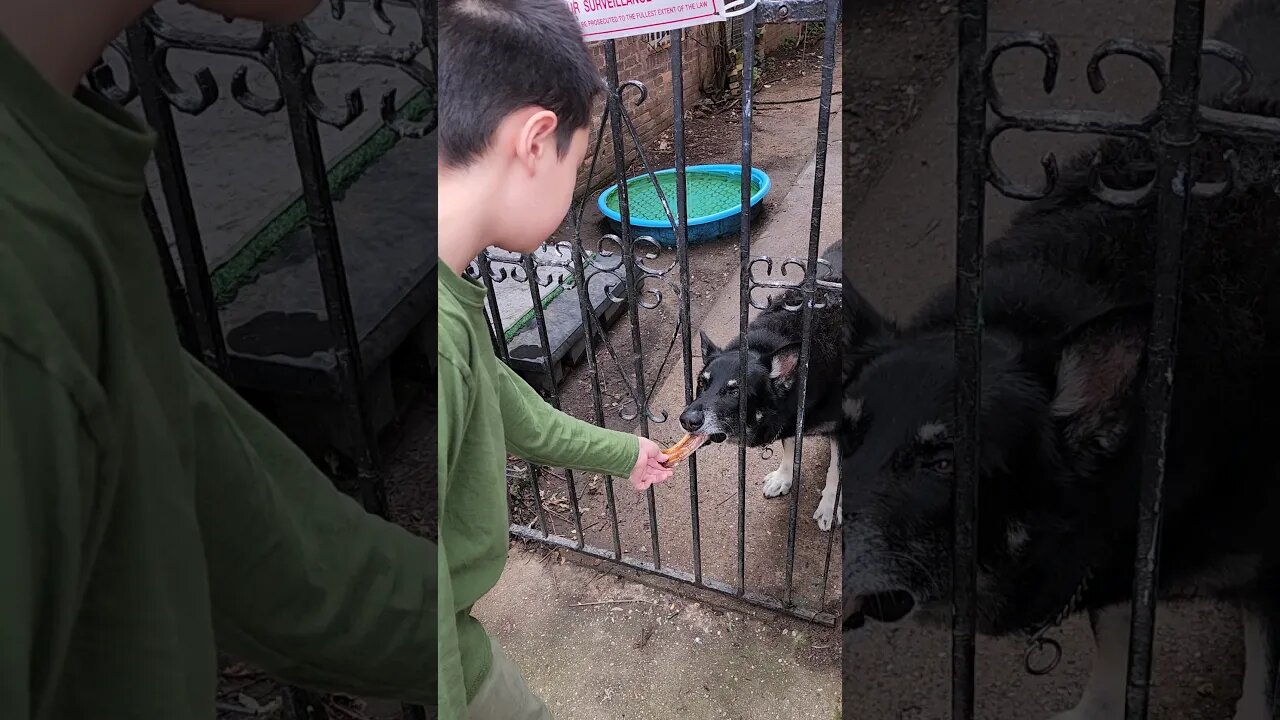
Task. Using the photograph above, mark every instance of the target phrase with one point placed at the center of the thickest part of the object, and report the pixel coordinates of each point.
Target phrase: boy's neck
(462, 214)
(63, 38)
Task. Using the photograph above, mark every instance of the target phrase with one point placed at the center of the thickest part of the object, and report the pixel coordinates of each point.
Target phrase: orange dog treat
(687, 446)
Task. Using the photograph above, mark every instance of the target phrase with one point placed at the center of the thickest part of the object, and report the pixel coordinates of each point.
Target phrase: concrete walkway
(899, 249)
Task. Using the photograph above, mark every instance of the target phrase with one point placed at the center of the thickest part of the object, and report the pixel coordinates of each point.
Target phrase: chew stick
(685, 447)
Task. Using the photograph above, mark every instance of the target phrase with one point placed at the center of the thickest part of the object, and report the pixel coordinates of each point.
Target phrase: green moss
(523, 321)
(237, 271)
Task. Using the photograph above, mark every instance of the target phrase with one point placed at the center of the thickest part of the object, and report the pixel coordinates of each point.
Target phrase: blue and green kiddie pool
(714, 196)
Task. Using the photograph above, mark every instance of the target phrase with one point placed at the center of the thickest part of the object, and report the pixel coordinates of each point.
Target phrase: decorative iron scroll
(260, 50)
(1111, 124)
(824, 268)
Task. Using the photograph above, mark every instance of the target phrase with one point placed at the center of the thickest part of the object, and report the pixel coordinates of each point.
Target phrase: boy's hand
(649, 469)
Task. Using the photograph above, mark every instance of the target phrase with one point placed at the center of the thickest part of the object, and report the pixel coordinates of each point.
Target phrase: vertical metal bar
(970, 196)
(811, 273)
(847, 88)
(629, 264)
(539, 314)
(291, 70)
(499, 338)
(540, 321)
(188, 336)
(682, 255)
(744, 285)
(592, 328)
(589, 329)
(535, 490)
(177, 197)
(495, 313)
(826, 565)
(584, 299)
(1177, 137)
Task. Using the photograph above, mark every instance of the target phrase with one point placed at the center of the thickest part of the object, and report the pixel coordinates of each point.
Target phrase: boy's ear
(537, 137)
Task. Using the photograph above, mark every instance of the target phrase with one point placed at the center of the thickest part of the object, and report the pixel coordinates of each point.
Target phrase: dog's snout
(692, 418)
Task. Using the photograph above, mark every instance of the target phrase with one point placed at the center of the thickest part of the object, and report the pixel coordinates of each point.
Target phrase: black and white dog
(1066, 311)
(772, 388)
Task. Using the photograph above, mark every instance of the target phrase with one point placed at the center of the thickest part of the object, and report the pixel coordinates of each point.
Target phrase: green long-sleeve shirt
(486, 411)
(149, 516)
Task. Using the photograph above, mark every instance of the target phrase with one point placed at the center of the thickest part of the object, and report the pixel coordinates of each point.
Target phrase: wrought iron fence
(1174, 129)
(290, 56)
(622, 274)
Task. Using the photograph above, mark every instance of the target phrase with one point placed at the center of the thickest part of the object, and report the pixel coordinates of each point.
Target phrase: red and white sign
(609, 19)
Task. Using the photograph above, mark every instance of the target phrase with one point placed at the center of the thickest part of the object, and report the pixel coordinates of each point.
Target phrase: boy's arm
(305, 583)
(538, 432)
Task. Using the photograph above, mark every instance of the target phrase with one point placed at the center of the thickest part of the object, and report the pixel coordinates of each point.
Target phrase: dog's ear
(863, 330)
(708, 348)
(782, 364)
(1097, 366)
(861, 320)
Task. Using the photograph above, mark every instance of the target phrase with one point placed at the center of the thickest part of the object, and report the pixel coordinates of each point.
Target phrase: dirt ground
(899, 223)
(597, 646)
(897, 54)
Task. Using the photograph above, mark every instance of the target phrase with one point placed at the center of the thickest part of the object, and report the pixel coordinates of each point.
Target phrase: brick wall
(775, 35)
(651, 65)
(639, 60)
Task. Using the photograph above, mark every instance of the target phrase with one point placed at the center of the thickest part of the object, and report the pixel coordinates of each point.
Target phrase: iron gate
(628, 259)
(290, 56)
(1173, 131)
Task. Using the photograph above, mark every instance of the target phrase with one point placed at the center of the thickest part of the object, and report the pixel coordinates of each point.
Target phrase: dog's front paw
(777, 482)
(827, 513)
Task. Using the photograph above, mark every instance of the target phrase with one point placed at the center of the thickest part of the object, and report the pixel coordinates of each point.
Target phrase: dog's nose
(692, 418)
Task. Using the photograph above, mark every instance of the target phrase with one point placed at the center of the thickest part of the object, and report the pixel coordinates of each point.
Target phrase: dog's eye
(937, 463)
(942, 466)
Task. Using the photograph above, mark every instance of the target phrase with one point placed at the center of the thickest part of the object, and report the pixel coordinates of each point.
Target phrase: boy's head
(516, 90)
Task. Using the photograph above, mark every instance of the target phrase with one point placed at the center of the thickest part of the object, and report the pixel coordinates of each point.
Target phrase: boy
(516, 87)
(148, 515)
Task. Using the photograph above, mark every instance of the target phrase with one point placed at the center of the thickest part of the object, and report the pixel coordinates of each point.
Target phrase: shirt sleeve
(538, 432)
(48, 487)
(305, 583)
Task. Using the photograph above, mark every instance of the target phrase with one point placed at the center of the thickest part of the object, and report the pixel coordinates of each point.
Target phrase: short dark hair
(497, 56)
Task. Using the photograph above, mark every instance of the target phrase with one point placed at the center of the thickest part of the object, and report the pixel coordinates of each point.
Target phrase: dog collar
(1043, 652)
